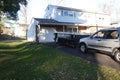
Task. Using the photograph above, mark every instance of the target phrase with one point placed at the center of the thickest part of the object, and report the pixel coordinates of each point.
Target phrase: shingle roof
(53, 22)
(42, 20)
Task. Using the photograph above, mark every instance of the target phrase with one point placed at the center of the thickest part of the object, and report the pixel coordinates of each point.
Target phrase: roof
(53, 22)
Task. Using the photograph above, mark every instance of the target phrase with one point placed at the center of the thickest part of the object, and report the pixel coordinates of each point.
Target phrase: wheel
(83, 48)
(117, 56)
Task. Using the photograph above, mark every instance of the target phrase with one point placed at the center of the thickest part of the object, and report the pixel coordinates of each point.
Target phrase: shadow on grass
(10, 37)
(39, 62)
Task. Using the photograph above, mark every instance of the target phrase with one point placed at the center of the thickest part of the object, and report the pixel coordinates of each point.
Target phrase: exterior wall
(78, 16)
(20, 31)
(102, 19)
(64, 18)
(50, 12)
(83, 30)
(46, 33)
(92, 29)
(31, 34)
(8, 30)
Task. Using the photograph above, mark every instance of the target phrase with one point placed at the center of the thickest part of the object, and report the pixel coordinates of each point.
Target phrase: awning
(53, 22)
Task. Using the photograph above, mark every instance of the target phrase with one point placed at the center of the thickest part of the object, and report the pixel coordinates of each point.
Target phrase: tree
(112, 8)
(24, 13)
(24, 17)
(11, 7)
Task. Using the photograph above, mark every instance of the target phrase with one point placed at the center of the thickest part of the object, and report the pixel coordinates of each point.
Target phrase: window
(71, 29)
(112, 34)
(71, 13)
(74, 29)
(100, 34)
(100, 18)
(67, 13)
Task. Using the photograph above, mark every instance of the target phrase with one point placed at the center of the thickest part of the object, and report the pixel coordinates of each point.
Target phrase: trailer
(68, 39)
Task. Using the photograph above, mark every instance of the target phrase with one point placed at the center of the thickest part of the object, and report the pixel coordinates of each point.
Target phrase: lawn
(27, 61)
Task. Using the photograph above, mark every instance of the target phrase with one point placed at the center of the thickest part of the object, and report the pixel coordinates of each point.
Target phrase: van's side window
(99, 34)
(113, 34)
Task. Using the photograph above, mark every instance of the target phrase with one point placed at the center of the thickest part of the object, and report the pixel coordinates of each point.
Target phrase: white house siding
(31, 34)
(50, 12)
(102, 20)
(83, 17)
(19, 31)
(63, 18)
(87, 18)
(46, 34)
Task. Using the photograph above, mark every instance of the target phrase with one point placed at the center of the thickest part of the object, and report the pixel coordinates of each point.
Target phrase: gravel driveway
(98, 58)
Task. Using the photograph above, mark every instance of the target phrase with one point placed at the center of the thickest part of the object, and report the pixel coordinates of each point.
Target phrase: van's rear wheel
(117, 56)
(83, 48)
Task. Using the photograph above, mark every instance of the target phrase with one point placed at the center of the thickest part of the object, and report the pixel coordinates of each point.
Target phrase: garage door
(46, 34)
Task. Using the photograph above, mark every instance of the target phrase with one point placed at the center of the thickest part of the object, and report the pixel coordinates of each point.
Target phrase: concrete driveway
(96, 57)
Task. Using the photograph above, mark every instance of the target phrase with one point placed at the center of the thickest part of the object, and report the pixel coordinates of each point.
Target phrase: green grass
(26, 61)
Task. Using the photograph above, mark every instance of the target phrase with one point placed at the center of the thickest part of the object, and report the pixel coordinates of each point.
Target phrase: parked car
(107, 40)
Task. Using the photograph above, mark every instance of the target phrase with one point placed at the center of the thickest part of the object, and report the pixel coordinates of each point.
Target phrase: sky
(36, 8)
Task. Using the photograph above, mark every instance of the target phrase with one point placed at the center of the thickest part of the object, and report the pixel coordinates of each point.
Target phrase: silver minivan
(107, 40)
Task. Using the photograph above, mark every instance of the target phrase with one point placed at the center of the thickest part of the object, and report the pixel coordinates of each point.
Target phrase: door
(46, 34)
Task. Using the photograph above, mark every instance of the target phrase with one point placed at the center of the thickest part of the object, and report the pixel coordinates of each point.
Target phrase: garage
(46, 34)
(42, 30)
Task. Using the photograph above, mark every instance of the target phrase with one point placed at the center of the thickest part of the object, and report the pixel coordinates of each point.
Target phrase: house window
(67, 13)
(72, 29)
(100, 18)
(69, 29)
(71, 13)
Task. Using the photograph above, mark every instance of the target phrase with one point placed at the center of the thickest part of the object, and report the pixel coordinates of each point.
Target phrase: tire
(117, 56)
(83, 48)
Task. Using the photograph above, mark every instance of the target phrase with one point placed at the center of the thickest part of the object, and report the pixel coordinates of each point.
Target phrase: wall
(31, 34)
(84, 17)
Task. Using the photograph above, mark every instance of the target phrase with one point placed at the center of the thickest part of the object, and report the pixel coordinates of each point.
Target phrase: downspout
(37, 32)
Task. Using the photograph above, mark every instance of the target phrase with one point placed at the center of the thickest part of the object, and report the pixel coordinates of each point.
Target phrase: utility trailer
(69, 39)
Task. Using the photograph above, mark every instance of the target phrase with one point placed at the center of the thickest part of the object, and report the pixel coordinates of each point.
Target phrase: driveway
(96, 57)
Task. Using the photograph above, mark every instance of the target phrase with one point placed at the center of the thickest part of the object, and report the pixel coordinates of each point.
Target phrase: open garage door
(46, 34)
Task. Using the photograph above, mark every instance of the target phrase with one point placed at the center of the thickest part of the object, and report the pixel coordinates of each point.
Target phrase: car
(105, 40)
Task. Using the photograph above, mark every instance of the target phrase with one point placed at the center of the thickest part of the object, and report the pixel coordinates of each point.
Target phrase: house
(65, 19)
(115, 23)
(21, 30)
